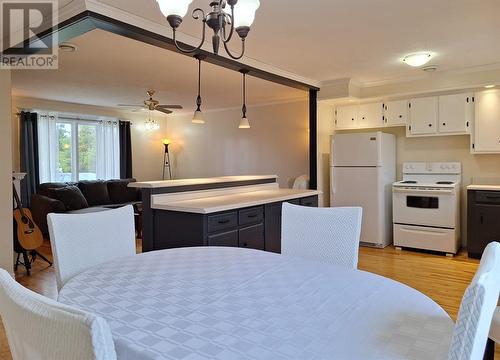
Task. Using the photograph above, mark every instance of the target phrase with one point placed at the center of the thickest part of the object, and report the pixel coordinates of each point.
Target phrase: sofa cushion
(88, 210)
(46, 189)
(96, 192)
(71, 197)
(120, 193)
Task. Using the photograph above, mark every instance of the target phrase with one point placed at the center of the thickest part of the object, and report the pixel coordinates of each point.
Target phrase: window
(73, 149)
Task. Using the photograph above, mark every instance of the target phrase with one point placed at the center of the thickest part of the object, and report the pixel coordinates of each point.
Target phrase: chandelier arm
(231, 32)
(242, 50)
(193, 49)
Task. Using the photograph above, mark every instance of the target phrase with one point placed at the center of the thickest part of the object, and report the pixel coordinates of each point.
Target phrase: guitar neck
(18, 200)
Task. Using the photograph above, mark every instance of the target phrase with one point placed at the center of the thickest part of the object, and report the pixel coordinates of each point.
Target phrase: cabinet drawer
(225, 239)
(222, 221)
(488, 197)
(252, 237)
(311, 201)
(251, 216)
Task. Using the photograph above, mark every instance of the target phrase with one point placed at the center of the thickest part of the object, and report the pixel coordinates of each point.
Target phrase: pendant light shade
(244, 123)
(244, 12)
(198, 115)
(174, 7)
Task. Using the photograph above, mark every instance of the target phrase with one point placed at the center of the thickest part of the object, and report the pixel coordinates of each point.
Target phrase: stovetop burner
(408, 182)
(445, 183)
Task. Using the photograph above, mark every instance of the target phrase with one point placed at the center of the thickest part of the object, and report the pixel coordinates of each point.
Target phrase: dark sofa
(81, 197)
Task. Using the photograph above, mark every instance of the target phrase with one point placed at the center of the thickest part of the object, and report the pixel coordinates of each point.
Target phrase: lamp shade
(198, 117)
(174, 7)
(244, 123)
(244, 12)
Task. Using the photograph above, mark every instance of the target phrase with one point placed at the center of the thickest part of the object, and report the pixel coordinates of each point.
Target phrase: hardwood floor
(442, 279)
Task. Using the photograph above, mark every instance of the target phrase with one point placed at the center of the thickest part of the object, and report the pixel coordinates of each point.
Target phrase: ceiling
(109, 69)
(360, 39)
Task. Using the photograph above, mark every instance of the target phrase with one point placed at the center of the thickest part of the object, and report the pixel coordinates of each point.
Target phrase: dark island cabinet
(483, 220)
(257, 227)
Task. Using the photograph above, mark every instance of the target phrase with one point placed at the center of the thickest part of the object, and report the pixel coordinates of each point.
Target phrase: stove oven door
(426, 207)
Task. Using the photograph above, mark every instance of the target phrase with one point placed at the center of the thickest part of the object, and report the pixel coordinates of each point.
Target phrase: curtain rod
(79, 118)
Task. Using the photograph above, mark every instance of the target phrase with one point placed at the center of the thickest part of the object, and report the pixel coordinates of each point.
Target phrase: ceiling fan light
(417, 59)
(244, 123)
(174, 7)
(244, 12)
(198, 117)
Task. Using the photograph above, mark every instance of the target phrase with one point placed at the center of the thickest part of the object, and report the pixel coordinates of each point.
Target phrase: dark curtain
(29, 156)
(125, 150)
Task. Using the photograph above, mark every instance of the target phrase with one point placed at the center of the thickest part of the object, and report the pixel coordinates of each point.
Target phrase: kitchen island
(239, 211)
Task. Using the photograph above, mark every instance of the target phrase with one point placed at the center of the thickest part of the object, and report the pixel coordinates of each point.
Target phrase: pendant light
(198, 115)
(244, 123)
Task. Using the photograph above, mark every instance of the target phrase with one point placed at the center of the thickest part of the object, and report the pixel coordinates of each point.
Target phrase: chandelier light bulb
(244, 123)
(417, 59)
(244, 12)
(174, 7)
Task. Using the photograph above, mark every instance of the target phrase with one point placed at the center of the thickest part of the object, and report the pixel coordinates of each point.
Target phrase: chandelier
(237, 15)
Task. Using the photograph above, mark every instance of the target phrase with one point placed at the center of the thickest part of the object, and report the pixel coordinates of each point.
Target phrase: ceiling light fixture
(244, 123)
(67, 47)
(417, 59)
(198, 115)
(239, 17)
(489, 86)
(151, 124)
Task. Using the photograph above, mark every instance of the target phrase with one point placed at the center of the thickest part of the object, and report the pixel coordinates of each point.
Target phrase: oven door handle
(423, 192)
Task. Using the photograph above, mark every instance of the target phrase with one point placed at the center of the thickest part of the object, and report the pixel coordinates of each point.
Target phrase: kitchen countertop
(211, 202)
(484, 187)
(200, 181)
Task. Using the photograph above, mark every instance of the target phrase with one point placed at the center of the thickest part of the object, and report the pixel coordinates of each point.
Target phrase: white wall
(6, 249)
(147, 148)
(277, 143)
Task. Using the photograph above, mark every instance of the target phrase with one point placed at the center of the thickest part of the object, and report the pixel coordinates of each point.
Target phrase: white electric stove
(426, 207)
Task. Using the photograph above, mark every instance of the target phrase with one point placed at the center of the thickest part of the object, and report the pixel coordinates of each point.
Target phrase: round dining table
(233, 303)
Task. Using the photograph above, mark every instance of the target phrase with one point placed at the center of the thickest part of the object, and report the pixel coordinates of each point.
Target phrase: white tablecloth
(231, 303)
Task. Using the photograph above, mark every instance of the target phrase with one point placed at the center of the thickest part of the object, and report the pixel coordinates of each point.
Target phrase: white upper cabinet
(456, 113)
(423, 116)
(347, 117)
(396, 113)
(371, 115)
(486, 132)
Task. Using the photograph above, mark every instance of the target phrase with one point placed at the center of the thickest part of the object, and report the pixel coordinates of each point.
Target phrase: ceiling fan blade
(170, 106)
(165, 111)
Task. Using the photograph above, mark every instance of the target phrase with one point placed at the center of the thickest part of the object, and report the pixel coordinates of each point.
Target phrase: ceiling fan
(153, 105)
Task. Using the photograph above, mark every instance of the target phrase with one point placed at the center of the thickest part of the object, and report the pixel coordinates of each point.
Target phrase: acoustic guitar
(28, 234)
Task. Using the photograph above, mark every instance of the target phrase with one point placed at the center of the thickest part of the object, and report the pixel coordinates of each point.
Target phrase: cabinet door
(489, 229)
(371, 115)
(347, 117)
(273, 225)
(455, 113)
(225, 239)
(396, 113)
(423, 116)
(487, 122)
(252, 237)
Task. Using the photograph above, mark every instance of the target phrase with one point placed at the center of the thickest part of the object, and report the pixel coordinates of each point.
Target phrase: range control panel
(432, 168)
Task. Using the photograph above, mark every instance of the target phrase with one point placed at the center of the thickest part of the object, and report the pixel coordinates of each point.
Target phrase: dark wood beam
(313, 140)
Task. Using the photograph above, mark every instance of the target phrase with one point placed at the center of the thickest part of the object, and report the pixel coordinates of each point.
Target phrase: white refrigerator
(363, 169)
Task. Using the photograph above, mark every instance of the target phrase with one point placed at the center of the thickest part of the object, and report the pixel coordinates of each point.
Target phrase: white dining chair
(478, 306)
(43, 329)
(322, 234)
(81, 241)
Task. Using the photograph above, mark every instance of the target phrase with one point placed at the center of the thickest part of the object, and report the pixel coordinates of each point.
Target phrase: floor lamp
(166, 160)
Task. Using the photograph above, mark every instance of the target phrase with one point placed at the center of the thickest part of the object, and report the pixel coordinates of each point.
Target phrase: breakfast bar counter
(237, 211)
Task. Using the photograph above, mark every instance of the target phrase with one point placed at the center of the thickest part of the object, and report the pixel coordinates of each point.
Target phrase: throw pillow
(71, 197)
(96, 192)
